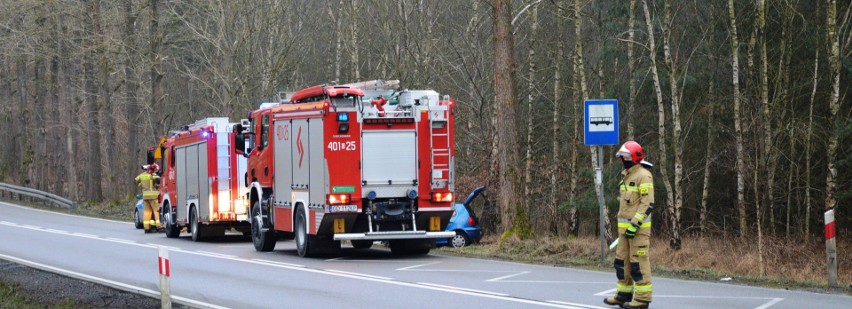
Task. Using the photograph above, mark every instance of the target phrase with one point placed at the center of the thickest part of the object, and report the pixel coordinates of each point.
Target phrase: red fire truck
(202, 186)
(324, 167)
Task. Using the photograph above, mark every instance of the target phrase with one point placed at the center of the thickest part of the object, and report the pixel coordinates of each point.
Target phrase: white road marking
(55, 231)
(358, 274)
(462, 289)
(417, 266)
(770, 303)
(85, 235)
(578, 305)
(110, 283)
(506, 277)
(216, 254)
(278, 263)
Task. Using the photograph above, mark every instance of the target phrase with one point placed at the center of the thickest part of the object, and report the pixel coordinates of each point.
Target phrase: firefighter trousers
(150, 206)
(633, 266)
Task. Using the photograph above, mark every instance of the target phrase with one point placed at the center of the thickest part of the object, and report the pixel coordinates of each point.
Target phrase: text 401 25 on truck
(324, 167)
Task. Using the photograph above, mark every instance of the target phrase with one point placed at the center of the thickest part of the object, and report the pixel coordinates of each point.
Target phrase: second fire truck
(202, 186)
(324, 167)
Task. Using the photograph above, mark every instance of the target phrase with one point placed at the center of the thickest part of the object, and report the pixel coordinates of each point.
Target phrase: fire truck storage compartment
(408, 98)
(298, 150)
(192, 186)
(390, 162)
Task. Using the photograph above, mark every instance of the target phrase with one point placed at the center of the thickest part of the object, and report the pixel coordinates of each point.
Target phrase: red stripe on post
(829, 230)
(160, 264)
(168, 269)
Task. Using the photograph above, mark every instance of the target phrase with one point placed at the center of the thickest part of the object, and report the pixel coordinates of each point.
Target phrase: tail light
(442, 197)
(338, 199)
(471, 221)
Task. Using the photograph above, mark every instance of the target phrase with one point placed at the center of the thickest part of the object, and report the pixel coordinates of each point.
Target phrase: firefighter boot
(636, 304)
(619, 299)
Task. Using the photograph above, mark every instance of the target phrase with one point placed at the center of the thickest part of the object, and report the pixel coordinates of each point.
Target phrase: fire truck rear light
(442, 197)
(371, 195)
(412, 194)
(204, 134)
(338, 199)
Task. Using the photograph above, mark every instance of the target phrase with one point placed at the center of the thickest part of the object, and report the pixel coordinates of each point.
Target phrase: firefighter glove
(631, 231)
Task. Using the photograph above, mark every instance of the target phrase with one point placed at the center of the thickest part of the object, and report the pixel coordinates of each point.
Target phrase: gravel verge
(46, 289)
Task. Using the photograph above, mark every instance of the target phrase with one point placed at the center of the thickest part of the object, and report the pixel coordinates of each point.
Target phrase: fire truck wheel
(263, 241)
(303, 240)
(195, 226)
(172, 230)
(362, 244)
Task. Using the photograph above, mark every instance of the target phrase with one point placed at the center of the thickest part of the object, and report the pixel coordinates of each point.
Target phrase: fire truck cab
(203, 188)
(324, 166)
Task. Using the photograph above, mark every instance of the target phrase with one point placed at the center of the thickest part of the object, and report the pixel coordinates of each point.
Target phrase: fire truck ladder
(439, 142)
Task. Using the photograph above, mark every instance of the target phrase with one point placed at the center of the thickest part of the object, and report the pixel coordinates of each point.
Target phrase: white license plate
(343, 208)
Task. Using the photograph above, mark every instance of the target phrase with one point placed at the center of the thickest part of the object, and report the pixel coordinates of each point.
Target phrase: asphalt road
(228, 272)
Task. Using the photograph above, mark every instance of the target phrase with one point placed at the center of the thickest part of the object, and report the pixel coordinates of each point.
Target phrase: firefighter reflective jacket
(637, 197)
(146, 182)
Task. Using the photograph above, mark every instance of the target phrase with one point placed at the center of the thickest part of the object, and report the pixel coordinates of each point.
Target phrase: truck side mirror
(240, 143)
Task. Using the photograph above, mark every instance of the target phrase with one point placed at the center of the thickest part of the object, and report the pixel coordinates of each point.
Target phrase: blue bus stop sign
(600, 122)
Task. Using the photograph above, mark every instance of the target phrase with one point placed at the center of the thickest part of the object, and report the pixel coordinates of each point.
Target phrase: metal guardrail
(50, 197)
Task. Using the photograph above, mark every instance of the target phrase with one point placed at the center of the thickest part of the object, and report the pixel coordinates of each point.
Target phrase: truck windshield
(345, 101)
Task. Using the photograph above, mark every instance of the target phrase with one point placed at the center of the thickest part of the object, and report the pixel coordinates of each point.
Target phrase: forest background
(741, 105)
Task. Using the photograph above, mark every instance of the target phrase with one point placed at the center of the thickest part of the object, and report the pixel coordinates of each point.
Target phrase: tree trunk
(557, 97)
(705, 192)
(768, 153)
(507, 135)
(94, 172)
(338, 22)
(631, 68)
(156, 77)
(21, 136)
(353, 27)
(808, 143)
(674, 75)
(530, 89)
(833, 103)
(107, 127)
(131, 87)
(70, 110)
(735, 47)
(661, 124)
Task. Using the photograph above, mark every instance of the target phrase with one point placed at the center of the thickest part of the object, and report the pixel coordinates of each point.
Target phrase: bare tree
(740, 167)
(504, 87)
(833, 102)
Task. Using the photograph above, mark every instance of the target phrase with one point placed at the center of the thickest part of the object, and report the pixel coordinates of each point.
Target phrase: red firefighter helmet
(632, 151)
(152, 168)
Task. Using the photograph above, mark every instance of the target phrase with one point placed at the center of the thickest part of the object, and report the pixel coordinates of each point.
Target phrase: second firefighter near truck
(149, 182)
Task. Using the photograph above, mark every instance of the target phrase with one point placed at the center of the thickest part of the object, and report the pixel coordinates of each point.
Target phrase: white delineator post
(165, 273)
(831, 248)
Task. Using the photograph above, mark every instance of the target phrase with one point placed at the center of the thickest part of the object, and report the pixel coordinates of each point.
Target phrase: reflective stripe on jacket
(146, 182)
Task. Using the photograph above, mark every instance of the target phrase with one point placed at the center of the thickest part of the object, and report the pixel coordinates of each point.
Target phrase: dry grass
(788, 263)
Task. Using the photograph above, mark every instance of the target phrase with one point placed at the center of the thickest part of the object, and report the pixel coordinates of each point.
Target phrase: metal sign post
(600, 128)
(831, 248)
(165, 273)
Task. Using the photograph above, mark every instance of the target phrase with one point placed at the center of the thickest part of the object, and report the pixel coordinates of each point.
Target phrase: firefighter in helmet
(149, 181)
(632, 265)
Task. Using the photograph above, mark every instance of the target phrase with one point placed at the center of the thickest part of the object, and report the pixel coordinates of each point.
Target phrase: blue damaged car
(464, 222)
